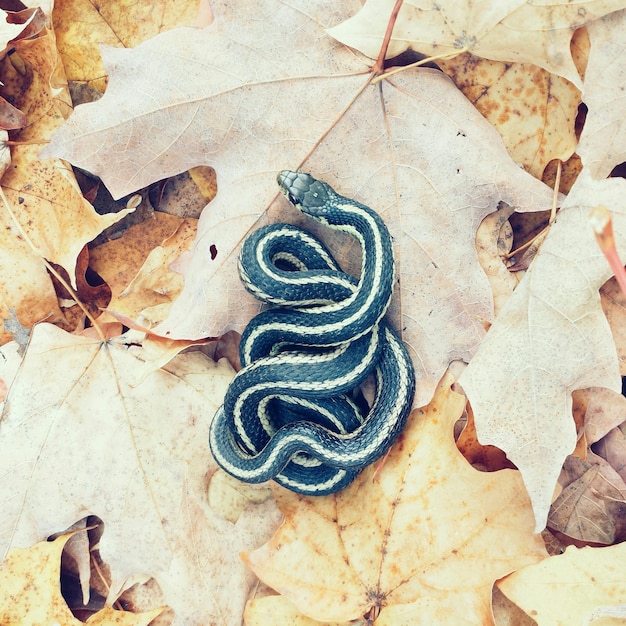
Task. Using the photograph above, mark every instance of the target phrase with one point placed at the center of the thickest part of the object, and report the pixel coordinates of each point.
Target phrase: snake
(289, 413)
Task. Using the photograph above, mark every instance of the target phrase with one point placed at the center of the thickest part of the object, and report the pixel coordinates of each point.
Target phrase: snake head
(305, 192)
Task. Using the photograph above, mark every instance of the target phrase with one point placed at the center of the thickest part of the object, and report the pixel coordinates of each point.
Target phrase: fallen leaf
(46, 205)
(429, 197)
(279, 610)
(403, 542)
(512, 31)
(555, 340)
(80, 26)
(533, 110)
(136, 266)
(614, 306)
(603, 140)
(568, 588)
(30, 591)
(87, 442)
(592, 498)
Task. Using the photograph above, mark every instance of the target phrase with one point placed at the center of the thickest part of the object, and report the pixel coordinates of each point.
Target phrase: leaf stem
(602, 224)
(379, 67)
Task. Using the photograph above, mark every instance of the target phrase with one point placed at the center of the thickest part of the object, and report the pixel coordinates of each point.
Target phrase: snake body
(288, 414)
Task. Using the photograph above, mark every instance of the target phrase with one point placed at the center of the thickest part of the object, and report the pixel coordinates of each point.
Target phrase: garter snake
(287, 414)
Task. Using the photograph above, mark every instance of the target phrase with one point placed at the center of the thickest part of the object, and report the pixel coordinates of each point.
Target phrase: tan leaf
(556, 339)
(81, 26)
(136, 266)
(30, 591)
(511, 31)
(43, 195)
(279, 610)
(533, 110)
(84, 440)
(566, 589)
(590, 502)
(402, 538)
(603, 140)
(613, 303)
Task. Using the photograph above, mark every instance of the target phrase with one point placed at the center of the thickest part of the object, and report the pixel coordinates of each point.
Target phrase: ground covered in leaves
(140, 145)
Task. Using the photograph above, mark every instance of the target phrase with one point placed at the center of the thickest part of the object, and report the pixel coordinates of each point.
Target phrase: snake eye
(295, 201)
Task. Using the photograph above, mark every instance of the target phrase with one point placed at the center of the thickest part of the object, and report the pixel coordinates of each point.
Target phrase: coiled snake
(288, 413)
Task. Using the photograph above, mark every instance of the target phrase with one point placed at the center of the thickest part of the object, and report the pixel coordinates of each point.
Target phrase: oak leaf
(404, 540)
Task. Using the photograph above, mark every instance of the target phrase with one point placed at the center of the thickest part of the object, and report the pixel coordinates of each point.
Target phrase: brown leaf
(30, 591)
(592, 498)
(533, 110)
(402, 538)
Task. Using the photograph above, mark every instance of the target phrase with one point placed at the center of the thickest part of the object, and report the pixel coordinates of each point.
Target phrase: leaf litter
(278, 92)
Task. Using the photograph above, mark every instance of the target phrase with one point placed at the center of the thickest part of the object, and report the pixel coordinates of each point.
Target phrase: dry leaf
(81, 25)
(603, 140)
(30, 591)
(136, 266)
(568, 588)
(432, 199)
(550, 338)
(592, 499)
(404, 539)
(88, 443)
(43, 195)
(511, 31)
(533, 110)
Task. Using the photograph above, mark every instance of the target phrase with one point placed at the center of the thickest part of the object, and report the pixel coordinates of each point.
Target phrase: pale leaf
(567, 588)
(550, 338)
(404, 538)
(603, 140)
(511, 30)
(83, 440)
(430, 197)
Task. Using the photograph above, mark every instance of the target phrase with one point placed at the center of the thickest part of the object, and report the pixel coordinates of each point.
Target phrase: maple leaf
(514, 30)
(556, 339)
(27, 599)
(429, 197)
(569, 588)
(603, 140)
(402, 540)
(47, 215)
(89, 438)
(534, 111)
